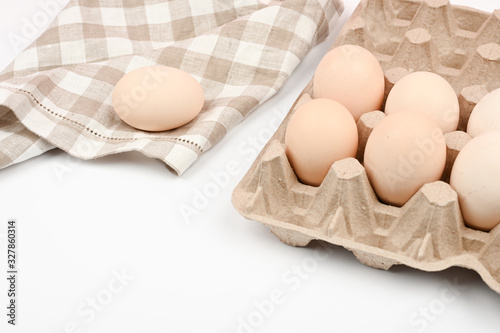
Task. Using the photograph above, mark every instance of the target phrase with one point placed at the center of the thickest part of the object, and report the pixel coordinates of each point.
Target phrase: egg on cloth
(157, 98)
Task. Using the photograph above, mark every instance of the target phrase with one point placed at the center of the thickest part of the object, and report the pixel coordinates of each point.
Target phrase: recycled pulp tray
(459, 43)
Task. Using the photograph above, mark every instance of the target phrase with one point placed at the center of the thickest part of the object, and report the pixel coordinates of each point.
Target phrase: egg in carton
(459, 43)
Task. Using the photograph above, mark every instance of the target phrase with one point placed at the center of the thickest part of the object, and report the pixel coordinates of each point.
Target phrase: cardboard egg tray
(428, 233)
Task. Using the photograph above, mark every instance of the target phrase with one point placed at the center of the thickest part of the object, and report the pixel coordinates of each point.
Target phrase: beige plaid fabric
(57, 93)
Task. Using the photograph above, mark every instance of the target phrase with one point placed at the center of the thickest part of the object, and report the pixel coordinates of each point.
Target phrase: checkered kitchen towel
(57, 93)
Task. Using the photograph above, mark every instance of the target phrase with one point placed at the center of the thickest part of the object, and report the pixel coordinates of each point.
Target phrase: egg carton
(428, 232)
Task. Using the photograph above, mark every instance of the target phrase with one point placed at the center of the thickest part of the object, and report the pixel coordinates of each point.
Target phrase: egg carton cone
(428, 233)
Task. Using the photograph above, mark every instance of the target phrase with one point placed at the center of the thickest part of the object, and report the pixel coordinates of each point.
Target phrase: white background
(117, 215)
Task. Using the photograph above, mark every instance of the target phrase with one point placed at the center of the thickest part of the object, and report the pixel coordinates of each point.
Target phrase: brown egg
(486, 115)
(319, 133)
(429, 93)
(404, 151)
(476, 180)
(157, 98)
(352, 76)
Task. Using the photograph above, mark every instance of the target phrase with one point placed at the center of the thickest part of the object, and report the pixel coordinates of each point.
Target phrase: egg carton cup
(428, 232)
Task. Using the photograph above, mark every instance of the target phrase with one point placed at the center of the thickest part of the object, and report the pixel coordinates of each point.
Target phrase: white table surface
(211, 272)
